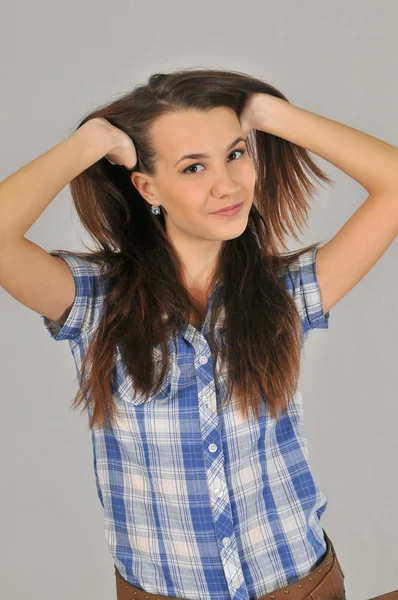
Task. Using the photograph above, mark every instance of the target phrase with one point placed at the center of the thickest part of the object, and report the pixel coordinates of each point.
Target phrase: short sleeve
(302, 282)
(89, 298)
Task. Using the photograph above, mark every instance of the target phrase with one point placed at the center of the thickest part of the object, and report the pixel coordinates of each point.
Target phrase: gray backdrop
(57, 61)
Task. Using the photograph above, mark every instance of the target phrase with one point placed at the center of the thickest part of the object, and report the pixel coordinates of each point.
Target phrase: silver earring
(155, 209)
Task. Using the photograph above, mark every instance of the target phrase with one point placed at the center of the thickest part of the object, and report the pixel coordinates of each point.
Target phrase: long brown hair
(143, 275)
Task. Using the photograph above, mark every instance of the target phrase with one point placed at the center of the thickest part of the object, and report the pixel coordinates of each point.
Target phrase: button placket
(218, 489)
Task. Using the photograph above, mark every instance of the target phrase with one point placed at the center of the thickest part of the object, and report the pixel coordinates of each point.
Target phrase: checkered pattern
(199, 503)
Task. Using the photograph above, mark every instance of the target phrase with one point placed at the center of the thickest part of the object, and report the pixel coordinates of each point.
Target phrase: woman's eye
(241, 150)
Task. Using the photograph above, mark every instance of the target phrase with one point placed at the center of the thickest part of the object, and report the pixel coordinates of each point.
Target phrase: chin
(233, 230)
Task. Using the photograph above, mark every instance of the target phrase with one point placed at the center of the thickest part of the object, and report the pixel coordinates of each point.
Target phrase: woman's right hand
(123, 152)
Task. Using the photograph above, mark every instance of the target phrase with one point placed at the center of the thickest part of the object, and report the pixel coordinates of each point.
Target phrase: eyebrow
(201, 155)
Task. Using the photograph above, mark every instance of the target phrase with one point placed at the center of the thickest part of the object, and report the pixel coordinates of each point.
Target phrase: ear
(144, 185)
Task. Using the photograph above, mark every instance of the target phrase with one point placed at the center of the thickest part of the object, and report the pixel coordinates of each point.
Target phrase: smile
(228, 212)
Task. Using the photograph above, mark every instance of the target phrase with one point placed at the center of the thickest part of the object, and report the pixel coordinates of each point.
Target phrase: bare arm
(25, 194)
(361, 242)
(31, 275)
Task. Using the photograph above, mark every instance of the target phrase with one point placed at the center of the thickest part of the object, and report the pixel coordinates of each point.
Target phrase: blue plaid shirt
(199, 503)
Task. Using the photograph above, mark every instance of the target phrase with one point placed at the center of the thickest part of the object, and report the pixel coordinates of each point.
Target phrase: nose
(224, 184)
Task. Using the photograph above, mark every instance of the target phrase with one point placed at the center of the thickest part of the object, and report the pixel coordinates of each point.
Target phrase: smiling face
(190, 189)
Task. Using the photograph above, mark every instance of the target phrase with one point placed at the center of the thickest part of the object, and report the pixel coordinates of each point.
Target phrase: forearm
(368, 160)
(25, 194)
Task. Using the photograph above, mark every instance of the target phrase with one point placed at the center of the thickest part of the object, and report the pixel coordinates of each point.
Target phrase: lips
(226, 208)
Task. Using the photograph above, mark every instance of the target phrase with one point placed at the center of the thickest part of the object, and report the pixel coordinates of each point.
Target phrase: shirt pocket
(124, 390)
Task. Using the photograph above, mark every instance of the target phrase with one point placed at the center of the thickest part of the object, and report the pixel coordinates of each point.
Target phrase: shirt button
(235, 584)
(218, 492)
(226, 542)
(213, 447)
(203, 360)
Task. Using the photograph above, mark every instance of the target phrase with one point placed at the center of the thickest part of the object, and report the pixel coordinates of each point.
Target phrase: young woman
(186, 324)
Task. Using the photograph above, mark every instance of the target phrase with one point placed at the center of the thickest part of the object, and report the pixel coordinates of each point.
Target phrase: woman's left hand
(247, 116)
(254, 112)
